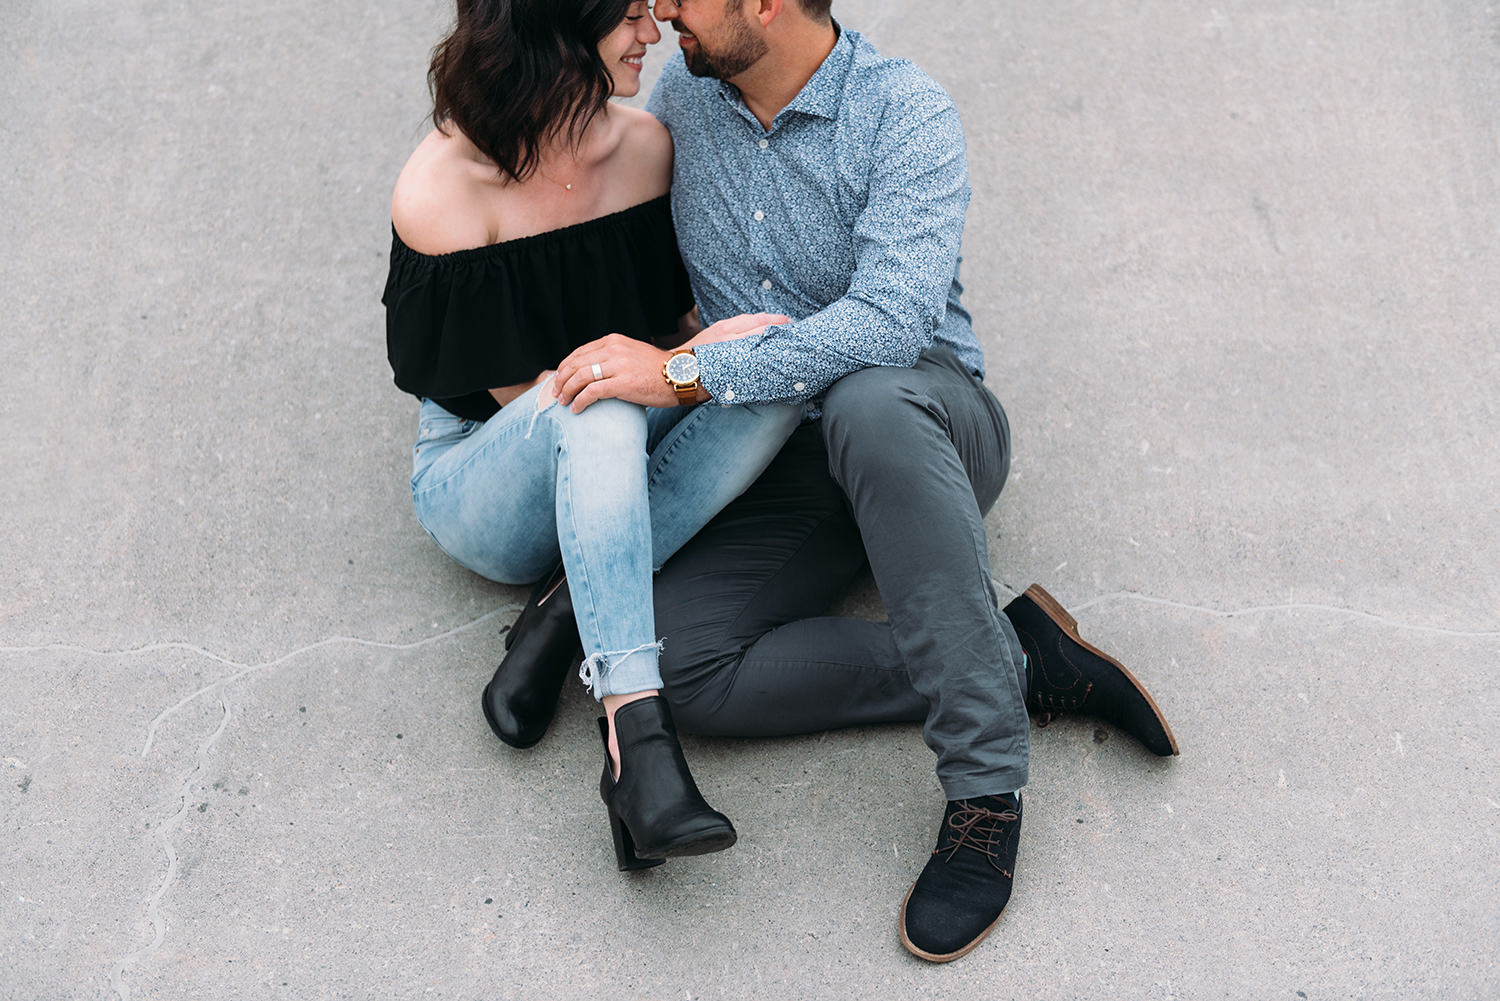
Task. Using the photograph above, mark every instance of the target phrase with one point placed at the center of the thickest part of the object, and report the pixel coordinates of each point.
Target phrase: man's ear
(768, 11)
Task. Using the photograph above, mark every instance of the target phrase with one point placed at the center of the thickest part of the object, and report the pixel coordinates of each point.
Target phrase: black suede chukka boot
(966, 883)
(1066, 675)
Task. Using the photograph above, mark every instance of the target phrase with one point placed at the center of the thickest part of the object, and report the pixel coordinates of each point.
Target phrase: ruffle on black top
(457, 325)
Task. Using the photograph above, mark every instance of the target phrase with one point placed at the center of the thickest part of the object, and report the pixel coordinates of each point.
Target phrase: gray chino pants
(899, 473)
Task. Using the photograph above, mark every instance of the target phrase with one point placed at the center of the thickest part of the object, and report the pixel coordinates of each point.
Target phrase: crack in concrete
(201, 761)
(243, 669)
(163, 835)
(248, 669)
(1291, 606)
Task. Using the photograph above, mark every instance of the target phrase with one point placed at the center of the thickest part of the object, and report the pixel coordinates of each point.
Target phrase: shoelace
(1048, 707)
(1051, 707)
(979, 828)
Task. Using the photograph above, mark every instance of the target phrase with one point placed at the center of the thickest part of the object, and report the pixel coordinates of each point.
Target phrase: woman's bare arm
(507, 394)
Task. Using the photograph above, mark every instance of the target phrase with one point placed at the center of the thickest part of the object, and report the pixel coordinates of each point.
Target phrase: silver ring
(598, 372)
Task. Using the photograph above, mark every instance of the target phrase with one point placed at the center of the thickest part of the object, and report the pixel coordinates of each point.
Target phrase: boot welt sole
(1060, 617)
(945, 957)
(697, 844)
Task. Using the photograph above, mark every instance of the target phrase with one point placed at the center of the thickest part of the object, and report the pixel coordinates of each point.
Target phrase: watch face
(682, 368)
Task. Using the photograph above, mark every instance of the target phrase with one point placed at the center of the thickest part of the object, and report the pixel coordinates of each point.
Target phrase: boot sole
(1059, 615)
(698, 844)
(945, 957)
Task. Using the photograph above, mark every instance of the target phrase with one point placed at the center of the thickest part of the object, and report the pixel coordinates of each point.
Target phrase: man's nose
(664, 10)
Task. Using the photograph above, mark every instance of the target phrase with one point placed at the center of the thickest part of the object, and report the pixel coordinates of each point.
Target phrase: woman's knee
(606, 428)
(492, 544)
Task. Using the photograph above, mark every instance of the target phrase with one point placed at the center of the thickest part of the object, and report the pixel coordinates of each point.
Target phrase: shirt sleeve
(906, 245)
(658, 105)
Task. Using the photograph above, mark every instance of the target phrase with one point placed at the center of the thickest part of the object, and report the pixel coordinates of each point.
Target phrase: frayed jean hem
(622, 672)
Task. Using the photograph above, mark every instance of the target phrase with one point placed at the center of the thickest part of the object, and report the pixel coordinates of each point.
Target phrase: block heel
(625, 855)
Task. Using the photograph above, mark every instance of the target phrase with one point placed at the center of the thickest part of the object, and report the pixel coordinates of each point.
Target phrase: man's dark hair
(817, 10)
(515, 74)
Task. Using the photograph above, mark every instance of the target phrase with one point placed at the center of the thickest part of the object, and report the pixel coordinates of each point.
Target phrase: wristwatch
(681, 373)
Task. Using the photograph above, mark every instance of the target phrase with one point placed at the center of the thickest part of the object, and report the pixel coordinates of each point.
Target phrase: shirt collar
(821, 96)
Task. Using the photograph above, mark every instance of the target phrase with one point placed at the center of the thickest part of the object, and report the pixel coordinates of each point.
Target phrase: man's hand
(627, 369)
(630, 370)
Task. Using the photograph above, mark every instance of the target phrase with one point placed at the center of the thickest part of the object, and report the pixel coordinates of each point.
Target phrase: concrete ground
(1237, 273)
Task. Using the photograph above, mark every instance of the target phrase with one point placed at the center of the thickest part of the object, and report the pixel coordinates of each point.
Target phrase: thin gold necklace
(560, 184)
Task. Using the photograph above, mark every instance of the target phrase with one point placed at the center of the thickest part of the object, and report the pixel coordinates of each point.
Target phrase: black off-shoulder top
(457, 325)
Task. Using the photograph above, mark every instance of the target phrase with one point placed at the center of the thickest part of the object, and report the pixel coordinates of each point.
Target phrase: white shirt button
(766, 284)
(759, 215)
(799, 386)
(728, 394)
(763, 143)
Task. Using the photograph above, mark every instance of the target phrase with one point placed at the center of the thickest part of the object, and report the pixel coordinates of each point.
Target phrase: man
(817, 179)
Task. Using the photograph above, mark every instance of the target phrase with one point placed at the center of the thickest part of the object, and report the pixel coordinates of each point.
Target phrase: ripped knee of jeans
(595, 670)
(546, 398)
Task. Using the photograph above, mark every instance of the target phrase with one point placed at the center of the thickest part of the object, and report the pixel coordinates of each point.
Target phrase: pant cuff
(622, 672)
(989, 784)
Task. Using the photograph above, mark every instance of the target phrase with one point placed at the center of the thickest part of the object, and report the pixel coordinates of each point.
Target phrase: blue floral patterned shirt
(846, 215)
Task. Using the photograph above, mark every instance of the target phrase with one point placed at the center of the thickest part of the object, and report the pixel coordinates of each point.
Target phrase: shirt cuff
(731, 373)
(720, 368)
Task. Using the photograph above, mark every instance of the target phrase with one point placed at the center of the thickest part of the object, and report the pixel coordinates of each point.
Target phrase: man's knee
(869, 394)
(877, 418)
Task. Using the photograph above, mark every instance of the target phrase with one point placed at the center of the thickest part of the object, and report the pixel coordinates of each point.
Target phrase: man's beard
(741, 51)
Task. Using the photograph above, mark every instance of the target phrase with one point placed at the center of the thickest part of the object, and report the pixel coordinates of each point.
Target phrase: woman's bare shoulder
(436, 207)
(645, 150)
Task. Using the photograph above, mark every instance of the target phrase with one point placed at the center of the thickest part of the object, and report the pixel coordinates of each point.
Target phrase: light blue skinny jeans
(613, 491)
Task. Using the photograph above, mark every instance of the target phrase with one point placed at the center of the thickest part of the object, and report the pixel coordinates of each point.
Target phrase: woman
(532, 222)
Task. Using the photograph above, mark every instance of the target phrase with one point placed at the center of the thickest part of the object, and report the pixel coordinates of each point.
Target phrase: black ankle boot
(1065, 674)
(540, 648)
(655, 810)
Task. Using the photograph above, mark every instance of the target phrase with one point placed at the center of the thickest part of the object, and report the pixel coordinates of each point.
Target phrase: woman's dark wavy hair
(516, 74)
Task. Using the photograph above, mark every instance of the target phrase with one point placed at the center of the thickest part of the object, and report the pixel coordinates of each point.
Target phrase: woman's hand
(734, 327)
(630, 370)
